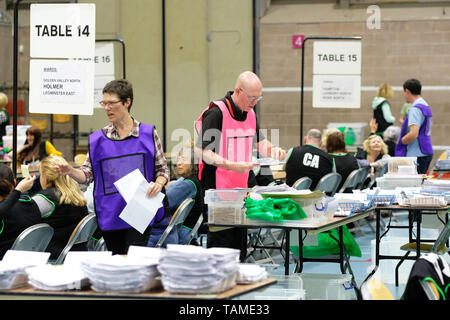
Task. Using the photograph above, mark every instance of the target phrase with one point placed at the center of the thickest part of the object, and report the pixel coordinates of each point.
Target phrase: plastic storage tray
(405, 181)
(357, 127)
(327, 286)
(225, 206)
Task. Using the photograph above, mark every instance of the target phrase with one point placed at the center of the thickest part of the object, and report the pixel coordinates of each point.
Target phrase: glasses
(108, 103)
(252, 98)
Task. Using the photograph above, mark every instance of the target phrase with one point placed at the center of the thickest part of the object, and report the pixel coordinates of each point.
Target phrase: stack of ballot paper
(121, 274)
(250, 273)
(50, 277)
(14, 265)
(191, 269)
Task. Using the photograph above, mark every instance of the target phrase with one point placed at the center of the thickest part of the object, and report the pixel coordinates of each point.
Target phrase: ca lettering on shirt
(310, 160)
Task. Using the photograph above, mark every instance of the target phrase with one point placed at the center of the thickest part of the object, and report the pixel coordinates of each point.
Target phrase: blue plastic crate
(381, 199)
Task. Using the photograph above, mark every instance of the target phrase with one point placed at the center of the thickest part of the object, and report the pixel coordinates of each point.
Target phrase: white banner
(337, 57)
(337, 74)
(104, 59)
(62, 30)
(336, 91)
(61, 86)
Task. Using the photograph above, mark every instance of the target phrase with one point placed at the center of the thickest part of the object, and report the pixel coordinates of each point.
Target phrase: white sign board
(337, 74)
(62, 30)
(336, 91)
(104, 59)
(337, 57)
(62, 86)
(99, 84)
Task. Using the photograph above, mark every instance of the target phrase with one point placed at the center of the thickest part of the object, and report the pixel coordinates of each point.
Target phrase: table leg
(286, 253)
(341, 249)
(418, 214)
(377, 244)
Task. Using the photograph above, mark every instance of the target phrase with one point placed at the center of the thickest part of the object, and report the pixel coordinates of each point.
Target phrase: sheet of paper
(128, 184)
(25, 171)
(25, 258)
(140, 209)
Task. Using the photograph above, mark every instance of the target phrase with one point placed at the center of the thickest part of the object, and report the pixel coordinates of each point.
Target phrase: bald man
(228, 130)
(308, 160)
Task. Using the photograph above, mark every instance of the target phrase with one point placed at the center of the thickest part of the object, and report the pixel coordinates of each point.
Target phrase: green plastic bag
(273, 209)
(329, 246)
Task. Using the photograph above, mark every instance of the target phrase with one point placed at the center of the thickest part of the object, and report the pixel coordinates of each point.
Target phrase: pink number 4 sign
(297, 41)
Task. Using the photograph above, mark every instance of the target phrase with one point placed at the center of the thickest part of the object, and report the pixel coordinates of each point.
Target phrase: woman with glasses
(114, 151)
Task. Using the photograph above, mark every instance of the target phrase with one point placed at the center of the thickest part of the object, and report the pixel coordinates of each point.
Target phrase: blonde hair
(3, 100)
(385, 91)
(67, 189)
(384, 148)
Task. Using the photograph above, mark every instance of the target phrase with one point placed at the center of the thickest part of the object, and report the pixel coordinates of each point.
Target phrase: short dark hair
(413, 85)
(122, 88)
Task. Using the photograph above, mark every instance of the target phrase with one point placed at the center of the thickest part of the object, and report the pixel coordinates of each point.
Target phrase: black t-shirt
(212, 120)
(345, 164)
(308, 161)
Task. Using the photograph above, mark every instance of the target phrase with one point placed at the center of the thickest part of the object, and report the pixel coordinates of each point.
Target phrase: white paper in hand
(128, 184)
(140, 210)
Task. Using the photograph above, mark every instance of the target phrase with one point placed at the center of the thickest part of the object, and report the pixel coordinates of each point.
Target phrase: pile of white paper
(251, 273)
(14, 265)
(121, 274)
(56, 278)
(192, 269)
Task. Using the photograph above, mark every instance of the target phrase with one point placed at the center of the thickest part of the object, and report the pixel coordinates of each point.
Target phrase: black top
(308, 161)
(379, 117)
(212, 119)
(345, 164)
(16, 213)
(63, 219)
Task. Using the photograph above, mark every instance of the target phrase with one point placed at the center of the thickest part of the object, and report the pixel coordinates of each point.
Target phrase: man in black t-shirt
(226, 151)
(308, 160)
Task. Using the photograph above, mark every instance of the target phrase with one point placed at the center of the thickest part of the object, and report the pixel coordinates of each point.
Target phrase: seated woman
(186, 186)
(374, 154)
(16, 211)
(61, 203)
(345, 163)
(35, 149)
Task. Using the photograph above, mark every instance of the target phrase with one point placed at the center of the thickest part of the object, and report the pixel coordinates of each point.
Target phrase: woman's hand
(64, 168)
(154, 188)
(26, 184)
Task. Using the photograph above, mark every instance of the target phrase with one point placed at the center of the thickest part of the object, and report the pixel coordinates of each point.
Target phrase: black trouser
(235, 238)
(118, 241)
(423, 163)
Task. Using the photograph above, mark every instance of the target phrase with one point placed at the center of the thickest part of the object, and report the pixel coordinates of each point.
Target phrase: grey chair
(34, 238)
(438, 247)
(352, 181)
(329, 183)
(100, 245)
(178, 218)
(302, 183)
(379, 173)
(81, 234)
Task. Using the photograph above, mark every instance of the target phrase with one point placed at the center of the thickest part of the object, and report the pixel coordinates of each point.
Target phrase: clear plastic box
(8, 141)
(406, 181)
(225, 206)
(356, 128)
(21, 130)
(395, 162)
(321, 286)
